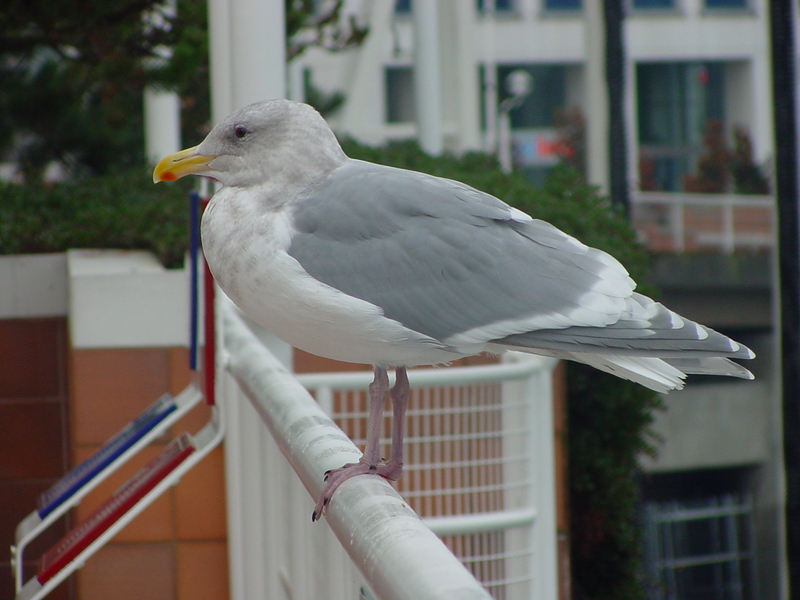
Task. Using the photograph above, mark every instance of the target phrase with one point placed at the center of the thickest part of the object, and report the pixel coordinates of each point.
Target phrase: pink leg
(377, 399)
(399, 395)
(371, 463)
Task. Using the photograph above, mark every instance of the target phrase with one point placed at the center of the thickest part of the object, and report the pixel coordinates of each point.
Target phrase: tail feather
(654, 373)
(710, 365)
(660, 375)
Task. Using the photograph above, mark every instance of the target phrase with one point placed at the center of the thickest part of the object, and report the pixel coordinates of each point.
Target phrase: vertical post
(427, 79)
(324, 397)
(162, 123)
(597, 146)
(247, 53)
(782, 19)
(194, 261)
(678, 231)
(615, 80)
(162, 108)
(539, 390)
(209, 333)
(728, 234)
(247, 58)
(504, 141)
(489, 79)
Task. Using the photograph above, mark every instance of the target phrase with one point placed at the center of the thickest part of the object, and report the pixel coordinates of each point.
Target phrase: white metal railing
(723, 566)
(507, 539)
(679, 222)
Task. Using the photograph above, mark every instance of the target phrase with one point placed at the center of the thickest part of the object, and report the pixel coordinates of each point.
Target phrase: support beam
(247, 53)
(162, 123)
(427, 79)
(615, 81)
(162, 108)
(597, 116)
(782, 20)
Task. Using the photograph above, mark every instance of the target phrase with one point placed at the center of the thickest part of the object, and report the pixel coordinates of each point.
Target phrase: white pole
(489, 78)
(295, 85)
(248, 53)
(162, 123)
(597, 118)
(162, 109)
(247, 56)
(219, 50)
(427, 80)
(504, 141)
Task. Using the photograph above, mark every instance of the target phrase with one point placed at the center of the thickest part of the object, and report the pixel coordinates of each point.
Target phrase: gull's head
(257, 142)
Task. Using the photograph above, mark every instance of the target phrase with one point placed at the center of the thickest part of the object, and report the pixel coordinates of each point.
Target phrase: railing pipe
(481, 522)
(398, 555)
(728, 239)
(427, 377)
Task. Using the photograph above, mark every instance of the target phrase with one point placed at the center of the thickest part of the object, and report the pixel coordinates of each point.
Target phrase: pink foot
(369, 463)
(337, 477)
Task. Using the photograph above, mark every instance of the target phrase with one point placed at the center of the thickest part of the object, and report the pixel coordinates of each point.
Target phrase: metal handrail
(728, 238)
(397, 554)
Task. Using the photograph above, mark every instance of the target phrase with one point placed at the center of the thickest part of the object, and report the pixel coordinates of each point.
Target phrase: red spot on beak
(168, 176)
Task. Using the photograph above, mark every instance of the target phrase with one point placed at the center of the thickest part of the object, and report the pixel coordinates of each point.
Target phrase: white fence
(679, 222)
(479, 470)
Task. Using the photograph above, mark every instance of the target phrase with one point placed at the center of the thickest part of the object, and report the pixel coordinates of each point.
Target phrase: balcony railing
(479, 470)
(728, 223)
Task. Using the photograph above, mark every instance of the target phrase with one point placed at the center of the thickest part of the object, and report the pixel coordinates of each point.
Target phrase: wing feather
(443, 258)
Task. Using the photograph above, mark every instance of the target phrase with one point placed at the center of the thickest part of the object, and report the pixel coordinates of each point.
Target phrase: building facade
(689, 64)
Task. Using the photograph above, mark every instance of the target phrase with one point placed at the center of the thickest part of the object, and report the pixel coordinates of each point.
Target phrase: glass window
(648, 4)
(535, 138)
(400, 95)
(499, 5)
(676, 104)
(402, 6)
(562, 4)
(732, 4)
(700, 549)
(540, 107)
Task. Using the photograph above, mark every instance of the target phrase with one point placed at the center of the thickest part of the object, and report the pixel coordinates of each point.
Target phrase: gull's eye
(240, 131)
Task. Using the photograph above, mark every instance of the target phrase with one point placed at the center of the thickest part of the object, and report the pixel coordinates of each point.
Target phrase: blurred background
(659, 111)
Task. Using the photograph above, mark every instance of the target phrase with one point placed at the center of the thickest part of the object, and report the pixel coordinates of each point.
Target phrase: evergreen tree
(72, 75)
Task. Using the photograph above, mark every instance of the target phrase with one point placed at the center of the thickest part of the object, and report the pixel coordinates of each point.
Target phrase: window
(676, 104)
(402, 6)
(400, 95)
(548, 96)
(651, 4)
(700, 549)
(533, 122)
(499, 5)
(731, 4)
(556, 5)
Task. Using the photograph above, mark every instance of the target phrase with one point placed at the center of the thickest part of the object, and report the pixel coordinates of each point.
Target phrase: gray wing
(447, 260)
(459, 265)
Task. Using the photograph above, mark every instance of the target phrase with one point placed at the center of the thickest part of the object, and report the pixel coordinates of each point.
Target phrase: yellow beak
(180, 164)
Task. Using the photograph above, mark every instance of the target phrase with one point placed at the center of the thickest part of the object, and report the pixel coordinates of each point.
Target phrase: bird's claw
(333, 478)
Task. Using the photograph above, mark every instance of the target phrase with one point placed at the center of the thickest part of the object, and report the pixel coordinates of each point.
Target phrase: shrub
(124, 211)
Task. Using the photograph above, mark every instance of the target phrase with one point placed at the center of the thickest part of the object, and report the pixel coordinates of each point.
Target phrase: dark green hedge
(122, 211)
(608, 417)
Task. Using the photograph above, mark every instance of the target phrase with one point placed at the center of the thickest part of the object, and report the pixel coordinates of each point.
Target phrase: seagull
(372, 264)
